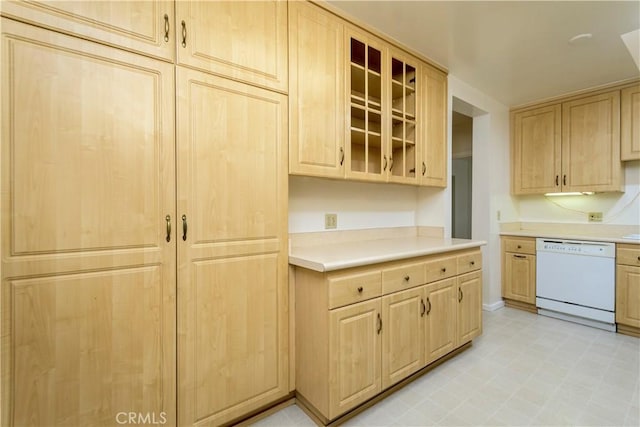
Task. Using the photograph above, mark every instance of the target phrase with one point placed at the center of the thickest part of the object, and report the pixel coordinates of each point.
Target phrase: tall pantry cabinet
(143, 221)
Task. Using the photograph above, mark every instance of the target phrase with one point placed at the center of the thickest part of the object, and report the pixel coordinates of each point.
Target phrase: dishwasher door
(582, 280)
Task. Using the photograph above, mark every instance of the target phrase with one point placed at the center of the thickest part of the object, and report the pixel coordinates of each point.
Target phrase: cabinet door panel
(628, 295)
(537, 151)
(440, 331)
(87, 153)
(232, 250)
(630, 123)
(243, 40)
(433, 170)
(591, 144)
(469, 307)
(519, 277)
(355, 350)
(402, 347)
(316, 92)
(140, 26)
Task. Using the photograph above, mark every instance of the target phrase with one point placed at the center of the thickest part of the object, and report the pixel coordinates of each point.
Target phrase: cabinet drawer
(441, 268)
(402, 277)
(352, 288)
(628, 255)
(470, 261)
(523, 245)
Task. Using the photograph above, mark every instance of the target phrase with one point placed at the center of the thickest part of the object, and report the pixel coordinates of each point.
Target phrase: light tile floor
(524, 370)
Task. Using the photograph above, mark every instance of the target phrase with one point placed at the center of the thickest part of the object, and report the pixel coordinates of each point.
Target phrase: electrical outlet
(498, 215)
(595, 216)
(330, 221)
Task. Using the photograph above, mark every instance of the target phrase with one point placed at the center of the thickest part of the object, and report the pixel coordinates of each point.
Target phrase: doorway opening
(461, 175)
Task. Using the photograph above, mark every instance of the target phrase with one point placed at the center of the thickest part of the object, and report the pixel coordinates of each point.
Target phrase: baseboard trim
(521, 306)
(493, 307)
(629, 330)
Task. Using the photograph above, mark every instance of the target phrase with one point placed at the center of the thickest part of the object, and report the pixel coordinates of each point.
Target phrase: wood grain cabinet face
(433, 167)
(537, 144)
(591, 144)
(469, 307)
(630, 123)
(440, 319)
(316, 92)
(519, 270)
(628, 287)
(242, 40)
(355, 352)
(402, 349)
(232, 277)
(88, 277)
(140, 26)
(573, 146)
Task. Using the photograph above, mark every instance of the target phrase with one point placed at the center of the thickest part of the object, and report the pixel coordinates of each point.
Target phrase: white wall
(491, 180)
(617, 208)
(358, 205)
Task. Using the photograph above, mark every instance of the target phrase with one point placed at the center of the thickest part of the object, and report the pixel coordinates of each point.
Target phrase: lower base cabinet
(377, 332)
(519, 272)
(628, 289)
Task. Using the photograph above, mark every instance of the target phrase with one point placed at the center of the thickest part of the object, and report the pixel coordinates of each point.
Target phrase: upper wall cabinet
(433, 168)
(139, 26)
(630, 123)
(245, 41)
(568, 147)
(316, 92)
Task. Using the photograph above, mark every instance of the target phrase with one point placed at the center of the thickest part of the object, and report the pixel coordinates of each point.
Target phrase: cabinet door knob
(519, 247)
(407, 278)
(360, 289)
(473, 263)
(443, 269)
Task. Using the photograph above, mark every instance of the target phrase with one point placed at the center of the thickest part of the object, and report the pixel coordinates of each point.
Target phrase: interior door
(88, 275)
(232, 250)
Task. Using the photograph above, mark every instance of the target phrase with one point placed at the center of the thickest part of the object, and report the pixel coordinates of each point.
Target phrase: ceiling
(514, 51)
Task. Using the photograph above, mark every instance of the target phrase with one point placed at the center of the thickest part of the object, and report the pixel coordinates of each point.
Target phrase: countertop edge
(323, 267)
(552, 235)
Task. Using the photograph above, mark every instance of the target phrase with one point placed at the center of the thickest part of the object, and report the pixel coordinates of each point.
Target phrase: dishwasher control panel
(577, 247)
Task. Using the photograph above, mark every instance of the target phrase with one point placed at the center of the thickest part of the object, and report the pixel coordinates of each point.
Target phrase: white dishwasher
(575, 281)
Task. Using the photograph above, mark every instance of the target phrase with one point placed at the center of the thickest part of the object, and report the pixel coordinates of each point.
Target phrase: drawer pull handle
(519, 247)
(360, 289)
(443, 269)
(184, 34)
(166, 27)
(424, 308)
(520, 256)
(168, 220)
(460, 295)
(428, 302)
(407, 278)
(473, 263)
(379, 324)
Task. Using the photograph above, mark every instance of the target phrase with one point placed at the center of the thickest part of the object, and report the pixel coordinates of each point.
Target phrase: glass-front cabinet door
(367, 156)
(403, 152)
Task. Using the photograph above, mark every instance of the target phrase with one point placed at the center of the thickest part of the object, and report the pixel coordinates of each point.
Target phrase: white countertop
(354, 254)
(594, 237)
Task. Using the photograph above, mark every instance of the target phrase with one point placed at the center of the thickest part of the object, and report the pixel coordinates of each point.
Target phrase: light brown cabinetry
(433, 167)
(410, 318)
(145, 27)
(358, 112)
(519, 272)
(630, 123)
(245, 41)
(316, 92)
(628, 289)
(232, 275)
(586, 157)
(88, 294)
